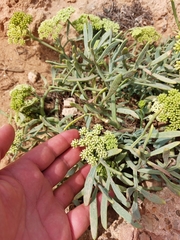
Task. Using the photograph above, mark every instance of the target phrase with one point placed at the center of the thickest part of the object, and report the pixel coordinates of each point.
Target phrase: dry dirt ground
(17, 63)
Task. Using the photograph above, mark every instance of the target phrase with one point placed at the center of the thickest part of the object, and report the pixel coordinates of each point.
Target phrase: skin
(29, 208)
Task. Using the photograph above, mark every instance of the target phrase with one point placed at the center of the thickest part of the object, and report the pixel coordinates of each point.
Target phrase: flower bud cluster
(18, 27)
(50, 28)
(96, 22)
(23, 99)
(177, 44)
(14, 149)
(170, 106)
(145, 34)
(96, 143)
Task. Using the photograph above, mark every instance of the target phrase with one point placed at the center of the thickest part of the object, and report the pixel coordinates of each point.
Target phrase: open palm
(29, 208)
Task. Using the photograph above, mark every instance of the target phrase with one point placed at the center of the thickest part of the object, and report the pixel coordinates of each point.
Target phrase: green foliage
(96, 145)
(18, 27)
(169, 105)
(51, 28)
(96, 22)
(145, 34)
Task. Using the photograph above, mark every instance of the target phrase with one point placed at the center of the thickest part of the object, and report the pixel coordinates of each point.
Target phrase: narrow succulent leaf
(135, 206)
(114, 86)
(113, 152)
(104, 204)
(81, 79)
(119, 194)
(108, 50)
(92, 109)
(124, 214)
(88, 186)
(154, 85)
(89, 31)
(95, 38)
(93, 211)
(50, 126)
(175, 188)
(129, 192)
(78, 106)
(36, 129)
(141, 56)
(84, 57)
(148, 136)
(170, 135)
(178, 160)
(161, 58)
(167, 146)
(104, 37)
(174, 173)
(119, 50)
(135, 211)
(85, 34)
(125, 180)
(120, 157)
(151, 196)
(163, 79)
(166, 154)
(129, 73)
(127, 111)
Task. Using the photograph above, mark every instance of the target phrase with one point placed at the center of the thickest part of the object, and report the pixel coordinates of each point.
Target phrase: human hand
(29, 208)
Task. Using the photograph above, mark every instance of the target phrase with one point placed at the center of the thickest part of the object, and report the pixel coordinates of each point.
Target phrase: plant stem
(145, 129)
(175, 14)
(43, 43)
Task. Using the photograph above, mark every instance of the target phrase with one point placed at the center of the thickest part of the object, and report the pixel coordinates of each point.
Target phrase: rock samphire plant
(113, 84)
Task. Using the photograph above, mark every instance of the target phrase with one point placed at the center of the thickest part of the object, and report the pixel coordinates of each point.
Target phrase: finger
(79, 218)
(6, 139)
(44, 154)
(58, 169)
(66, 192)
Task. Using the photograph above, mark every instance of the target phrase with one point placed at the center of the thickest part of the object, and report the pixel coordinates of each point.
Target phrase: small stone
(68, 101)
(69, 111)
(33, 77)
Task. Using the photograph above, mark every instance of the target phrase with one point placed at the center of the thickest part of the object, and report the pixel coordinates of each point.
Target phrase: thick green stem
(175, 14)
(43, 43)
(145, 129)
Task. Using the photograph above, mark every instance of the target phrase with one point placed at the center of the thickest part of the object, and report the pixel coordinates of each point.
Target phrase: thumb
(6, 139)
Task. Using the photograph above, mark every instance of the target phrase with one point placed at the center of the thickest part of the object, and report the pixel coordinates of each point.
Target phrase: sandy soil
(16, 64)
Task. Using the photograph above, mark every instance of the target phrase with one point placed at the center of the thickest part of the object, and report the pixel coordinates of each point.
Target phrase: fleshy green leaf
(88, 186)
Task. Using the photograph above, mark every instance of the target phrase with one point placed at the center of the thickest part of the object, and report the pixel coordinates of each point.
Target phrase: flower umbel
(96, 143)
(96, 22)
(24, 100)
(18, 27)
(170, 106)
(51, 28)
(145, 34)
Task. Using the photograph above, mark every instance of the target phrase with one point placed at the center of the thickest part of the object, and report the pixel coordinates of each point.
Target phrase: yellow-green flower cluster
(96, 144)
(23, 99)
(177, 65)
(169, 104)
(145, 34)
(18, 27)
(108, 24)
(96, 22)
(177, 44)
(142, 104)
(177, 50)
(15, 147)
(51, 28)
